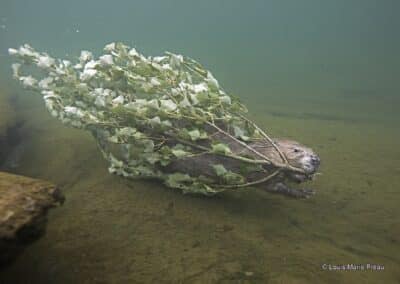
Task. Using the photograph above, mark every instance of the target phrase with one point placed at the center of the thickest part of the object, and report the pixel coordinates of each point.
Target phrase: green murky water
(325, 74)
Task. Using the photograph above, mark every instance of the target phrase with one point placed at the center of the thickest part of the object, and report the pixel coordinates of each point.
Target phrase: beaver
(297, 155)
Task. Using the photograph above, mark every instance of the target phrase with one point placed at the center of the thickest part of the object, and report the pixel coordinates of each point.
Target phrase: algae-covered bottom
(112, 230)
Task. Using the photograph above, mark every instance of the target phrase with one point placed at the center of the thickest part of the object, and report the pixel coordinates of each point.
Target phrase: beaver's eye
(296, 150)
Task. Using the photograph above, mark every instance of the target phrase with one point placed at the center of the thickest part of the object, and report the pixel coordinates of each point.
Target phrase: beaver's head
(301, 157)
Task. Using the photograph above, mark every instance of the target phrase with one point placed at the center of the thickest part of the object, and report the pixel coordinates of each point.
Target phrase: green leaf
(233, 178)
(166, 123)
(221, 148)
(202, 97)
(153, 104)
(155, 120)
(138, 135)
(148, 146)
(144, 170)
(199, 188)
(184, 134)
(165, 162)
(219, 170)
(203, 135)
(194, 134)
(178, 180)
(168, 105)
(214, 97)
(165, 155)
(226, 100)
(185, 102)
(240, 133)
(180, 153)
(113, 139)
(212, 82)
(126, 131)
(245, 168)
(151, 157)
(228, 176)
(204, 179)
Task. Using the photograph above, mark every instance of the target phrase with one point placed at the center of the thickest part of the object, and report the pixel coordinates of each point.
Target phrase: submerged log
(24, 203)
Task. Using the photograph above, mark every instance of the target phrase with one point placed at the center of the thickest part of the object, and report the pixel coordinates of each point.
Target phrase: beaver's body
(297, 155)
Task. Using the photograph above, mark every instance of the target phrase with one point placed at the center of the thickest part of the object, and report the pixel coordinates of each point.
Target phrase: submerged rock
(23, 207)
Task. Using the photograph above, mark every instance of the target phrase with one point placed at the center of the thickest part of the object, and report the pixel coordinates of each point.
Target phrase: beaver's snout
(315, 161)
(309, 163)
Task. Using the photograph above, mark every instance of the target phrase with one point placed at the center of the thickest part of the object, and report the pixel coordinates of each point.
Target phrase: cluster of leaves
(145, 112)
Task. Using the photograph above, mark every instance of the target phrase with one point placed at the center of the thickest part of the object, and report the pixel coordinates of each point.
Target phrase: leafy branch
(146, 112)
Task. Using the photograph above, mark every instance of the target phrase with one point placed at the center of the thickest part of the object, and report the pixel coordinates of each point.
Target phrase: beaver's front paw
(282, 188)
(302, 193)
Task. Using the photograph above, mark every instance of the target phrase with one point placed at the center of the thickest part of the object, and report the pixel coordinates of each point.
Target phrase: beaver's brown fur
(297, 155)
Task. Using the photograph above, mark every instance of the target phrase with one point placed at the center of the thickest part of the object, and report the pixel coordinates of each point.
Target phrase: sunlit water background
(323, 73)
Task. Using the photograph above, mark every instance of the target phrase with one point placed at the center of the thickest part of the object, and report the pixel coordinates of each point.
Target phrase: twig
(240, 158)
(241, 143)
(283, 156)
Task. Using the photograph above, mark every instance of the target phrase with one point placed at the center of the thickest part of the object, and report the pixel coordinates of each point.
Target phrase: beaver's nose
(315, 160)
